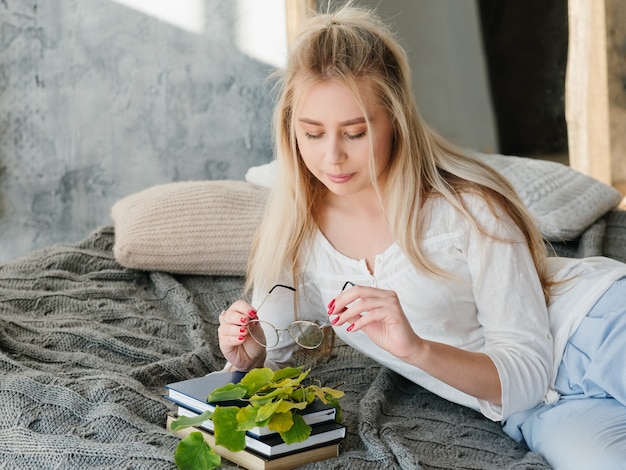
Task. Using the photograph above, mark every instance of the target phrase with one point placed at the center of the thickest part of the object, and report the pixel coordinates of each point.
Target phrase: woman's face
(333, 139)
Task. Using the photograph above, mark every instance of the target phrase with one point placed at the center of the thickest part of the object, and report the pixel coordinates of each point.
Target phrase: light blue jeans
(586, 428)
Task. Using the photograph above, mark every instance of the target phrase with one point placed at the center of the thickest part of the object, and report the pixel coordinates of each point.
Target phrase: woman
(425, 259)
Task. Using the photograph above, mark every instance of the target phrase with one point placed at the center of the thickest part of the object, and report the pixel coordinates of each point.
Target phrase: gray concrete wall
(99, 100)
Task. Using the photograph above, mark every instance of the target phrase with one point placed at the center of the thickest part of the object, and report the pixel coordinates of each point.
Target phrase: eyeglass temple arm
(346, 285)
(293, 289)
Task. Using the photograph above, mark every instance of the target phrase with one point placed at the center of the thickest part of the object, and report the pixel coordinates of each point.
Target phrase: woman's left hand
(378, 313)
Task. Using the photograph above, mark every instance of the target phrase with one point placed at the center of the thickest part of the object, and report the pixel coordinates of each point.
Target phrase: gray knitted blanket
(87, 346)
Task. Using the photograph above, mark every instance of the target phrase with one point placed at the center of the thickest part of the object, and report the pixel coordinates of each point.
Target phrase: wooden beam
(616, 70)
(586, 90)
(297, 11)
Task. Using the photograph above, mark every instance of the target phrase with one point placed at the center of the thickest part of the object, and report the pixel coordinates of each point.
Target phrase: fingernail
(331, 307)
(241, 338)
(242, 330)
(252, 313)
(334, 320)
(243, 319)
(350, 328)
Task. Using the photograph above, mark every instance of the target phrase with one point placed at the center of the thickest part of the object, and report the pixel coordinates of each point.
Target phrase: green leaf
(186, 421)
(287, 405)
(225, 428)
(291, 381)
(302, 395)
(193, 453)
(260, 400)
(280, 392)
(327, 394)
(281, 422)
(299, 432)
(286, 373)
(256, 379)
(227, 392)
(266, 411)
(246, 418)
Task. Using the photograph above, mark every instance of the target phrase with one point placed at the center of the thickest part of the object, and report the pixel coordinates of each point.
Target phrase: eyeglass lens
(307, 334)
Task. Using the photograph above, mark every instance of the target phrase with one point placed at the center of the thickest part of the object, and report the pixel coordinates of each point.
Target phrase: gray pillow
(563, 201)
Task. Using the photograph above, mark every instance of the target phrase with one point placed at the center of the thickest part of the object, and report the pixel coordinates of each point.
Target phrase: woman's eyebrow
(349, 122)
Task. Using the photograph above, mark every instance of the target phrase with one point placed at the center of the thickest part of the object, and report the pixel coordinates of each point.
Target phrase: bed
(90, 332)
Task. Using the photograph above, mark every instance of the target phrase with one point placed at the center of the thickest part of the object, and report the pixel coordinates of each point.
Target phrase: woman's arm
(378, 313)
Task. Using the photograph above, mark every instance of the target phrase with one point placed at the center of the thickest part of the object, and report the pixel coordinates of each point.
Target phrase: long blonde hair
(352, 45)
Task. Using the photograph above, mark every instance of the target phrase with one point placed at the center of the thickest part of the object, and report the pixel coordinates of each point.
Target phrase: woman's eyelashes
(360, 135)
(347, 136)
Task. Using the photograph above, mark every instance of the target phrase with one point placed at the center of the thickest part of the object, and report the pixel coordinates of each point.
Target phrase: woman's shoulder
(473, 212)
(469, 203)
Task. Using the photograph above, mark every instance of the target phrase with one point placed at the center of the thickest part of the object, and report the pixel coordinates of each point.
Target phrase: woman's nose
(334, 151)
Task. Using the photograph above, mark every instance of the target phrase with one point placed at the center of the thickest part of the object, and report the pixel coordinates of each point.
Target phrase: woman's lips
(340, 178)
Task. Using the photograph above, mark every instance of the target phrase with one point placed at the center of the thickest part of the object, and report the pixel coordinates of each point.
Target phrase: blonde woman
(424, 259)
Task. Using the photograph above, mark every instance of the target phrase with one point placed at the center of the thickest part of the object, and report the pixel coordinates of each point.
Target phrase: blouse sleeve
(511, 309)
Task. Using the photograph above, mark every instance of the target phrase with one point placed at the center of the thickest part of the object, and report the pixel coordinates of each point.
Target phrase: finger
(360, 307)
(233, 338)
(239, 312)
(349, 296)
(365, 319)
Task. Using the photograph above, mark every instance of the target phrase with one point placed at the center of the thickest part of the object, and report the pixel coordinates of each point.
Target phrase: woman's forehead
(358, 94)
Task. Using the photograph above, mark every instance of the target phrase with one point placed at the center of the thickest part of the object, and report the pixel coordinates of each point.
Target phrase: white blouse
(492, 302)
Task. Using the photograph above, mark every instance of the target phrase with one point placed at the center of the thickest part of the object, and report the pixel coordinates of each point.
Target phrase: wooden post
(586, 90)
(616, 69)
(296, 12)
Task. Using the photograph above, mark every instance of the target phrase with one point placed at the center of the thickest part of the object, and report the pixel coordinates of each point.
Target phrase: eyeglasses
(306, 334)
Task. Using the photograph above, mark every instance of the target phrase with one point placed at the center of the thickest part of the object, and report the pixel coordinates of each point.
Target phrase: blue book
(191, 395)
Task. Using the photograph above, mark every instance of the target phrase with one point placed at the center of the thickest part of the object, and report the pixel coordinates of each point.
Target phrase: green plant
(272, 397)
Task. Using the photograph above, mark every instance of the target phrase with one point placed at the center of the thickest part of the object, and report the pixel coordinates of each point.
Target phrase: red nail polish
(252, 314)
(334, 320)
(242, 319)
(331, 307)
(350, 328)
(242, 330)
(241, 338)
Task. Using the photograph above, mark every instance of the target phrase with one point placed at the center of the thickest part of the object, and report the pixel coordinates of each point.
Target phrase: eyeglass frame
(288, 329)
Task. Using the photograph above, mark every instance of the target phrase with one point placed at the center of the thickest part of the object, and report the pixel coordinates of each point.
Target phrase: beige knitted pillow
(194, 227)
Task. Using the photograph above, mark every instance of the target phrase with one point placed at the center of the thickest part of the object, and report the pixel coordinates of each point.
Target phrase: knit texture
(563, 201)
(87, 346)
(193, 227)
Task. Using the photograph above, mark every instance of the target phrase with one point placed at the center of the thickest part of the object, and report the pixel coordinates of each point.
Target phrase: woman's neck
(364, 204)
(356, 226)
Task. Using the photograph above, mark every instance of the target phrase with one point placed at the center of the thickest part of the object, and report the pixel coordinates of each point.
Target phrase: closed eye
(360, 135)
(308, 135)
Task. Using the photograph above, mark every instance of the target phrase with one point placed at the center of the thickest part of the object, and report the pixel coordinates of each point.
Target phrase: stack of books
(265, 449)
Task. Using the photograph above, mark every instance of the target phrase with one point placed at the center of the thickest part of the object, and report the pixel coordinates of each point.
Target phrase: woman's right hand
(238, 347)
